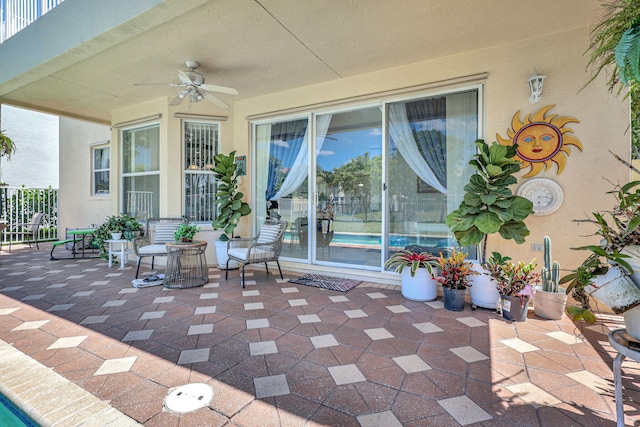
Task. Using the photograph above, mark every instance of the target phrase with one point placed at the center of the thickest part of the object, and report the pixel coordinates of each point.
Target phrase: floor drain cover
(188, 398)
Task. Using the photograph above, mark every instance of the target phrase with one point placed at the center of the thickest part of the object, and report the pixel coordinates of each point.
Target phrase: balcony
(17, 14)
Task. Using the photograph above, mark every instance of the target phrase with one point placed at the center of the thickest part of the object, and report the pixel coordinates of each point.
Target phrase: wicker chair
(158, 232)
(263, 248)
(28, 230)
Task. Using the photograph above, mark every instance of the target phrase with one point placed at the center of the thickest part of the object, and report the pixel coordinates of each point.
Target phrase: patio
(276, 354)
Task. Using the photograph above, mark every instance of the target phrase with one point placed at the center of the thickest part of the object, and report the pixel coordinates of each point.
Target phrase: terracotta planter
(616, 289)
(483, 291)
(454, 298)
(421, 287)
(512, 309)
(550, 305)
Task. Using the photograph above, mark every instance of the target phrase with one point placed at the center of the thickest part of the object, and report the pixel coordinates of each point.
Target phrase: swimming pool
(395, 240)
(12, 416)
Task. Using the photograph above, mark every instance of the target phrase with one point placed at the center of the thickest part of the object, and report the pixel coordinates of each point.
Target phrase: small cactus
(550, 273)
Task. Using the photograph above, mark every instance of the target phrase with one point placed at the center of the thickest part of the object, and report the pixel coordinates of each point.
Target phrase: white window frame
(94, 149)
(124, 175)
(196, 164)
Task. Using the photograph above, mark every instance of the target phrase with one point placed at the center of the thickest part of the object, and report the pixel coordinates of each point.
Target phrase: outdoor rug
(326, 282)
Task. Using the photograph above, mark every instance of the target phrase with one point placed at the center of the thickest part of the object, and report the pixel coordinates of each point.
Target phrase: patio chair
(263, 248)
(158, 232)
(28, 230)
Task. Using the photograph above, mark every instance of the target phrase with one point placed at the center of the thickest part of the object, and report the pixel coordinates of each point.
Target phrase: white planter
(632, 321)
(483, 291)
(116, 236)
(221, 255)
(421, 287)
(615, 289)
(550, 305)
(634, 252)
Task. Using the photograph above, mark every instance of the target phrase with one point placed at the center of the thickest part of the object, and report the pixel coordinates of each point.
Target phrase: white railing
(15, 15)
(18, 204)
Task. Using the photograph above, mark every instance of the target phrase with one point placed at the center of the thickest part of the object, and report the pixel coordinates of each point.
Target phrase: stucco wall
(603, 121)
(78, 208)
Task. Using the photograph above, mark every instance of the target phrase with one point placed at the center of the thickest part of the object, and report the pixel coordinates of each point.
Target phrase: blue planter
(454, 298)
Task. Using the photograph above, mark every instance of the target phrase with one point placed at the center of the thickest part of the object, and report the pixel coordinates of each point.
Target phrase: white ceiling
(265, 46)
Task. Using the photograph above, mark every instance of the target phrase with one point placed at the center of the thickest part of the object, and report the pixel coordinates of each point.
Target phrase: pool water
(12, 416)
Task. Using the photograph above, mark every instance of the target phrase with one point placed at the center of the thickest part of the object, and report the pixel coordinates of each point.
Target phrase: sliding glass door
(383, 177)
(430, 144)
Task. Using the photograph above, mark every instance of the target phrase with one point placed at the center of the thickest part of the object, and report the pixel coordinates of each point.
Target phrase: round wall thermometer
(545, 194)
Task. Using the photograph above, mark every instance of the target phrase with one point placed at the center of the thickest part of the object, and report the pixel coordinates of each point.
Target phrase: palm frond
(627, 55)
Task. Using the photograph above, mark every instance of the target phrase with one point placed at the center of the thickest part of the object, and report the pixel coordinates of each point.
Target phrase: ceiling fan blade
(178, 99)
(221, 89)
(219, 102)
(184, 78)
(154, 84)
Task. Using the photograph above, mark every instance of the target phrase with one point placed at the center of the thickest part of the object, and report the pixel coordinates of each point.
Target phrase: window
(141, 171)
(200, 146)
(101, 163)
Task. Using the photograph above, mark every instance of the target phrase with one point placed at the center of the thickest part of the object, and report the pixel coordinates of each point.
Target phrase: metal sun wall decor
(542, 140)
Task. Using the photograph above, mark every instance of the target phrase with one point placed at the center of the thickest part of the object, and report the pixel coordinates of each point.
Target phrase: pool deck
(80, 346)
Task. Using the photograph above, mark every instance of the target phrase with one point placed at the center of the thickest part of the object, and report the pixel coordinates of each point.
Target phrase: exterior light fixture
(536, 81)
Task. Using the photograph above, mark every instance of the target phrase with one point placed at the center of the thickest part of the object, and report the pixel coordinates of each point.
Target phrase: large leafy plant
(489, 206)
(615, 44)
(229, 200)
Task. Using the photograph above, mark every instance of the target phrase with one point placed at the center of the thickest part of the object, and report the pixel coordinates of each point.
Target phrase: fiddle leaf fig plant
(229, 200)
(489, 206)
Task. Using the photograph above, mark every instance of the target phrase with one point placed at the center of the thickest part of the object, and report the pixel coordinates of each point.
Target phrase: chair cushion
(257, 254)
(165, 233)
(153, 249)
(268, 233)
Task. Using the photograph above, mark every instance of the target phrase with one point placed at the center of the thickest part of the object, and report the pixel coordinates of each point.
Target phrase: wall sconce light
(536, 81)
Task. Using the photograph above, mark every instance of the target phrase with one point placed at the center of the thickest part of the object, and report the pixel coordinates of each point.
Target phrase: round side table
(618, 338)
(186, 265)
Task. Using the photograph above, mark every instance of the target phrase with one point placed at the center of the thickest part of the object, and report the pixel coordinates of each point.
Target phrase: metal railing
(15, 15)
(18, 204)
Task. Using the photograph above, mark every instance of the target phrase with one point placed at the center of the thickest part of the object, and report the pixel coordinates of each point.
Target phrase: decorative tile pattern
(533, 394)
(275, 385)
(115, 366)
(346, 374)
(519, 345)
(68, 342)
(464, 410)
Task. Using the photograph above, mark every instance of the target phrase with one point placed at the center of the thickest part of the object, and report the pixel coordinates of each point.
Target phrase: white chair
(158, 232)
(263, 248)
(28, 230)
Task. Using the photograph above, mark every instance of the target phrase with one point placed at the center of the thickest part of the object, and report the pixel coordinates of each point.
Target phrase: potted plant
(185, 232)
(7, 149)
(122, 223)
(455, 278)
(611, 272)
(489, 207)
(550, 300)
(515, 285)
(230, 205)
(418, 283)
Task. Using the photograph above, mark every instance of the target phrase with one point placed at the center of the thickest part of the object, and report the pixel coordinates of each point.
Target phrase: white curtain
(461, 131)
(299, 170)
(402, 136)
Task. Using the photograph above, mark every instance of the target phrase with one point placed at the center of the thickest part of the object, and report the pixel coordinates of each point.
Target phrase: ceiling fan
(194, 88)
